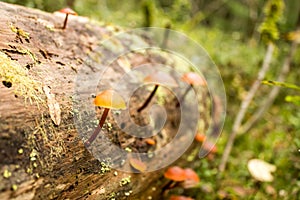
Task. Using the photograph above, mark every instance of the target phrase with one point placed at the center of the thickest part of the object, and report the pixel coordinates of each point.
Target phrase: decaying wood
(41, 155)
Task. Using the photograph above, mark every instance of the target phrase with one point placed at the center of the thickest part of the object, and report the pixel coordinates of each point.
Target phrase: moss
(23, 84)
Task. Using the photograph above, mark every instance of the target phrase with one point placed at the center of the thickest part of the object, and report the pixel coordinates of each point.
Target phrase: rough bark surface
(41, 158)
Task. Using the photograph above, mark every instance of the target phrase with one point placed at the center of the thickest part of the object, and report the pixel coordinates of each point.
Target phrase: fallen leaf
(137, 164)
(53, 106)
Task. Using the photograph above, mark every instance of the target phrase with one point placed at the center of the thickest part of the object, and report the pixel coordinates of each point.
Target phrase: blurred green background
(229, 31)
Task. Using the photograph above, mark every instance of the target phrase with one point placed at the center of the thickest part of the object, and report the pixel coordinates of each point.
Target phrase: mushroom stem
(98, 129)
(148, 99)
(184, 94)
(65, 22)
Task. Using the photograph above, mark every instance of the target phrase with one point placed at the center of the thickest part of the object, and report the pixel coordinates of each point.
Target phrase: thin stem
(98, 129)
(274, 92)
(166, 36)
(184, 94)
(65, 22)
(244, 106)
(148, 99)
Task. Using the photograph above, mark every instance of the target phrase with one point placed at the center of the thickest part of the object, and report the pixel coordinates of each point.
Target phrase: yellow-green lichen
(19, 32)
(6, 174)
(14, 187)
(125, 181)
(23, 84)
(20, 151)
(104, 167)
(128, 193)
(33, 155)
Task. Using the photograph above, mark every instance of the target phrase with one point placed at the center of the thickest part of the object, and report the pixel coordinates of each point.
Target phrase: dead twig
(245, 104)
(274, 92)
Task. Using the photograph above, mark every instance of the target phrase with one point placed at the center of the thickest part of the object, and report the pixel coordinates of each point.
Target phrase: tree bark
(41, 158)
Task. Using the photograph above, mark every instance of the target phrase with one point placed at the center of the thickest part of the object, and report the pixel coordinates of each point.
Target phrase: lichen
(125, 181)
(104, 167)
(6, 174)
(19, 32)
(23, 84)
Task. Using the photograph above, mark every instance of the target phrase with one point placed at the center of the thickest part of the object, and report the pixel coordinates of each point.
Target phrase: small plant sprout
(67, 11)
(107, 99)
(193, 79)
(159, 78)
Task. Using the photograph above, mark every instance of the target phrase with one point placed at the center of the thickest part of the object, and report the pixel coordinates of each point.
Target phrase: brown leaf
(137, 164)
(53, 106)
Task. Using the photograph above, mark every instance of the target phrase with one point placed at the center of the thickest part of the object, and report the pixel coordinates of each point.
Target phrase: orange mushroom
(175, 174)
(159, 78)
(175, 197)
(192, 178)
(192, 79)
(150, 141)
(209, 146)
(67, 11)
(200, 137)
(108, 99)
(209, 149)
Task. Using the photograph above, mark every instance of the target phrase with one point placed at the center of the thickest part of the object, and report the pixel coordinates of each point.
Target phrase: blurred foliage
(273, 12)
(290, 98)
(232, 32)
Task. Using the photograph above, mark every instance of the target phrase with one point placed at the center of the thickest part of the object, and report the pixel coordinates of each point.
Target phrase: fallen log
(42, 151)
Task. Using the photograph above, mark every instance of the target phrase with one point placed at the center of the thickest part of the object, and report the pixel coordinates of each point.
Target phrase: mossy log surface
(41, 158)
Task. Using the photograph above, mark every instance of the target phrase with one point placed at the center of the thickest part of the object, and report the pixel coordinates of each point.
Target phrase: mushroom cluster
(186, 178)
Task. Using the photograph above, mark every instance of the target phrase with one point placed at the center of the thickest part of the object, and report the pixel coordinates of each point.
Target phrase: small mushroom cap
(137, 164)
(261, 170)
(68, 11)
(200, 137)
(175, 197)
(193, 79)
(192, 178)
(110, 99)
(175, 174)
(209, 146)
(150, 141)
(191, 175)
(161, 78)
